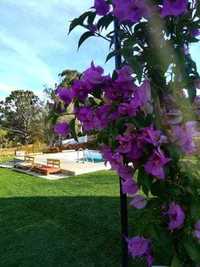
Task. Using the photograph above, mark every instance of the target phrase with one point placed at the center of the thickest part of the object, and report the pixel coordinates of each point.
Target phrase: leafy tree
(54, 107)
(21, 115)
(68, 76)
(3, 134)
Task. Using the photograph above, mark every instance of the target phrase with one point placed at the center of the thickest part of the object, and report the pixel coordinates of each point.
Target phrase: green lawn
(72, 222)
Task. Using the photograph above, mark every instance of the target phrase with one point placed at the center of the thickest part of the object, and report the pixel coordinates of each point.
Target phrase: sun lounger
(28, 163)
(52, 167)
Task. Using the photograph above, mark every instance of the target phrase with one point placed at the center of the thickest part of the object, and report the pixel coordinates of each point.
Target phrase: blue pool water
(93, 156)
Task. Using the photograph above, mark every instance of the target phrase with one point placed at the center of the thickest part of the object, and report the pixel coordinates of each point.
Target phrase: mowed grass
(72, 222)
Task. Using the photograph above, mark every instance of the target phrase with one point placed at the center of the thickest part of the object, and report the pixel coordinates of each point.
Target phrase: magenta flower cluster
(62, 129)
(102, 102)
(131, 98)
(134, 10)
(140, 247)
(137, 121)
(176, 216)
(183, 136)
(102, 7)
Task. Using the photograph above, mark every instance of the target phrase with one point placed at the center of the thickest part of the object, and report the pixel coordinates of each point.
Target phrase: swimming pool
(92, 156)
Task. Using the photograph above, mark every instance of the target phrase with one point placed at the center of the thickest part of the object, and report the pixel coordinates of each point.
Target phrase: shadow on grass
(56, 231)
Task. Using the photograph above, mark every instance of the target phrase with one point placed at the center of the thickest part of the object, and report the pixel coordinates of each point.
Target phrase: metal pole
(123, 197)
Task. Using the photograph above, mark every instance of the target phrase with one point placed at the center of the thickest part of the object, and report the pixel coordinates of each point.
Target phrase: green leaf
(159, 189)
(176, 262)
(84, 37)
(79, 21)
(72, 125)
(174, 152)
(162, 241)
(74, 24)
(144, 180)
(85, 15)
(198, 8)
(111, 55)
(137, 67)
(91, 18)
(193, 250)
(104, 22)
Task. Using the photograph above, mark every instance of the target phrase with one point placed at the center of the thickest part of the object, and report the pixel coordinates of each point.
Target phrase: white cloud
(45, 8)
(34, 39)
(30, 61)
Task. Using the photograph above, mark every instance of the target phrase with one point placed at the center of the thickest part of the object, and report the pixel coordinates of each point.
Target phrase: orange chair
(52, 167)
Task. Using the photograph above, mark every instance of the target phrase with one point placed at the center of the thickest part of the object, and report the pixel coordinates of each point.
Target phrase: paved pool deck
(71, 164)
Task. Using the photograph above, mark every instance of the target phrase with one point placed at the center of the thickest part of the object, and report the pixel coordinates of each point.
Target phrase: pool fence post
(123, 197)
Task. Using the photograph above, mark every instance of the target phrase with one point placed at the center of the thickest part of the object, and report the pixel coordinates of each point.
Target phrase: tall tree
(21, 115)
(3, 140)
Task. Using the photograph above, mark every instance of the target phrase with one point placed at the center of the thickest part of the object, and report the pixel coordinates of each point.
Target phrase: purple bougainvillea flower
(149, 259)
(102, 7)
(122, 88)
(129, 187)
(93, 76)
(124, 75)
(176, 216)
(183, 136)
(174, 7)
(152, 136)
(62, 128)
(140, 247)
(136, 151)
(107, 153)
(143, 94)
(64, 94)
(130, 10)
(197, 230)
(156, 163)
(128, 109)
(104, 116)
(124, 82)
(142, 97)
(86, 116)
(139, 202)
(114, 158)
(136, 148)
(116, 161)
(80, 90)
(125, 143)
(196, 33)
(112, 92)
(125, 172)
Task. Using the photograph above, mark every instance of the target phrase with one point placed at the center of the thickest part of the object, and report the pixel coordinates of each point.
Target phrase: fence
(28, 149)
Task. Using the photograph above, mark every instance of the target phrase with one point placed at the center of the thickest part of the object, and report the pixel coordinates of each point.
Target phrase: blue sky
(34, 46)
